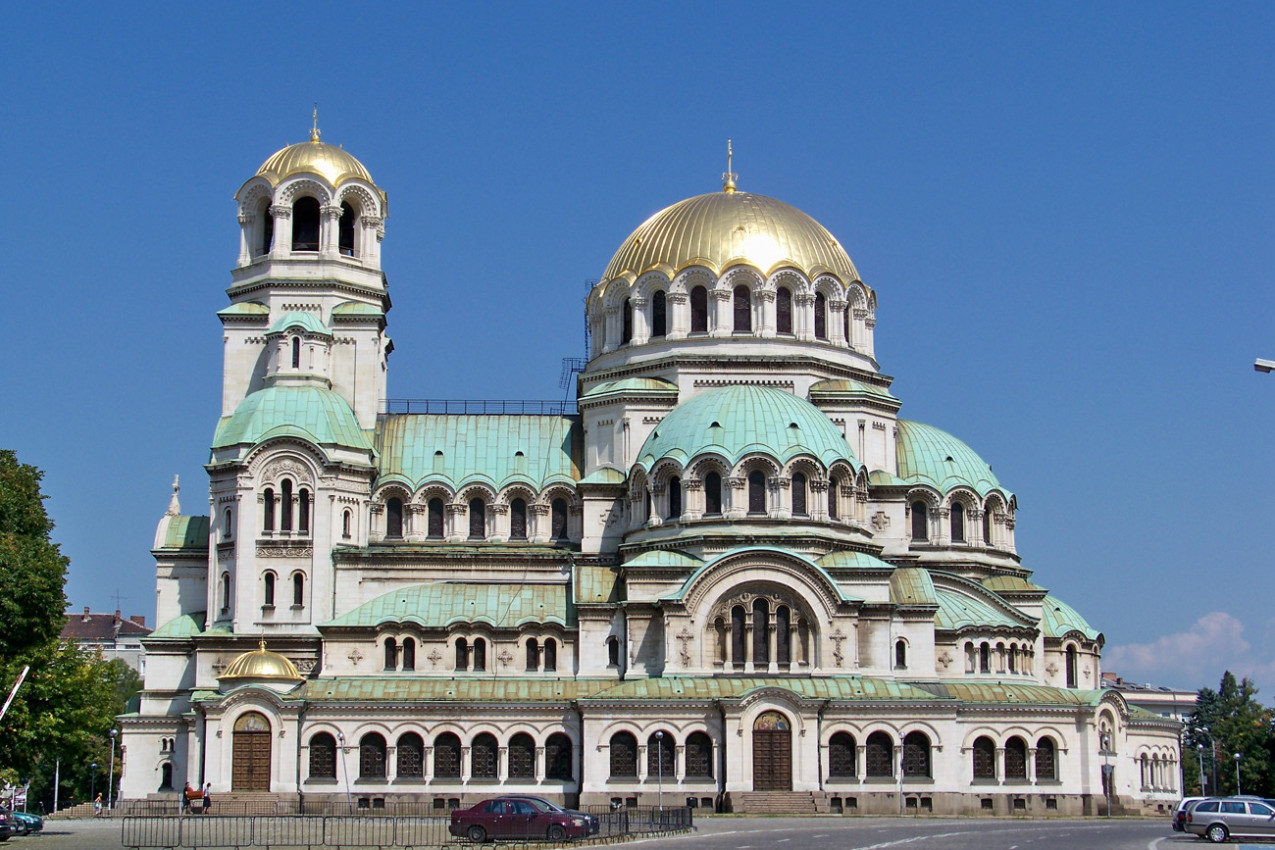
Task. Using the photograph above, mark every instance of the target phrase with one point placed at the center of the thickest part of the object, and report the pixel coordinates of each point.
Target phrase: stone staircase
(775, 802)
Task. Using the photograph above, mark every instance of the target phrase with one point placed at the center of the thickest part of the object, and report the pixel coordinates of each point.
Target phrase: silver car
(1218, 819)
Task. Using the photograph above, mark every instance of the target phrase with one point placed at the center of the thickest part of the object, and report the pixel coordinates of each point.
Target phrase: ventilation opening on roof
(715, 425)
(655, 434)
(949, 459)
(795, 425)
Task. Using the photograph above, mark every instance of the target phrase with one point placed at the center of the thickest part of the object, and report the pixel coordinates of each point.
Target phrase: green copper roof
(665, 558)
(634, 386)
(1006, 693)
(848, 560)
(1010, 584)
(732, 687)
(245, 308)
(357, 308)
(971, 606)
(849, 387)
(822, 574)
(439, 604)
(306, 321)
(187, 625)
(1058, 618)
(912, 586)
(186, 532)
(496, 450)
(735, 421)
(382, 689)
(929, 456)
(597, 584)
(311, 413)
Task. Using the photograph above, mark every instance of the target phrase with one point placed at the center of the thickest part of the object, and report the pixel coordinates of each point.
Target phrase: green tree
(32, 570)
(1232, 718)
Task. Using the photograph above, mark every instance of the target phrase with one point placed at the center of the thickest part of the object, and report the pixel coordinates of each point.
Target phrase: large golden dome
(313, 157)
(261, 663)
(723, 229)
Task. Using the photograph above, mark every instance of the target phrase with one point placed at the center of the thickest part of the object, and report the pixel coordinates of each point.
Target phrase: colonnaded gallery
(730, 575)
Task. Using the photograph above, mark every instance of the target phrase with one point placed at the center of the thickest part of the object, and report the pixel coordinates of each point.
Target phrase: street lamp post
(1106, 770)
(345, 768)
(110, 775)
(92, 781)
(659, 759)
(1212, 754)
(1199, 751)
(1238, 790)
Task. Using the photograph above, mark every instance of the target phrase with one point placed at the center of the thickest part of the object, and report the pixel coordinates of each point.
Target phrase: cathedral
(728, 576)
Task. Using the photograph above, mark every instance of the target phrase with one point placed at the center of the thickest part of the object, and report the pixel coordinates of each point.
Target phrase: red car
(520, 817)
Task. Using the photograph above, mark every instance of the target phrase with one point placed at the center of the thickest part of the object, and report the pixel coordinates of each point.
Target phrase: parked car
(1179, 813)
(6, 824)
(520, 817)
(26, 823)
(1220, 818)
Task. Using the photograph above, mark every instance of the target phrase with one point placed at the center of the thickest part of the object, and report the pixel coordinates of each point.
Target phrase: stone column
(369, 247)
(538, 768)
(611, 339)
(281, 249)
(692, 499)
(416, 526)
(736, 493)
(765, 302)
(817, 502)
(641, 319)
(837, 322)
(803, 310)
(329, 231)
(721, 323)
(246, 221)
(772, 643)
(538, 525)
(455, 515)
(497, 522)
(779, 502)
(678, 317)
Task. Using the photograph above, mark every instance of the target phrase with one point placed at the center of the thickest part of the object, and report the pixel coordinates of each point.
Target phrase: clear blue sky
(1065, 210)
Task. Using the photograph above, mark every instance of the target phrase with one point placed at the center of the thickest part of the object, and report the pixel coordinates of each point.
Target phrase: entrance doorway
(772, 753)
(250, 762)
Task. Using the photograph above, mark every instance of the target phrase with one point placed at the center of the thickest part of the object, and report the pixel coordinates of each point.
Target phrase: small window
(462, 655)
(480, 654)
(821, 316)
(900, 655)
(483, 757)
(267, 510)
(227, 528)
(394, 518)
(958, 522)
(783, 310)
(305, 225)
(833, 489)
(166, 777)
(447, 757)
(347, 518)
(712, 494)
(550, 655)
(522, 758)
(323, 756)
(533, 655)
(1072, 665)
(756, 492)
(916, 755)
(985, 658)
(1016, 758)
(613, 651)
(743, 301)
(267, 227)
(477, 519)
(296, 352)
(411, 756)
(391, 654)
(558, 757)
(674, 499)
(558, 519)
(699, 310)
(518, 520)
(920, 521)
(372, 757)
(269, 593)
(225, 592)
(303, 511)
(841, 756)
(626, 333)
(659, 754)
(298, 590)
(623, 755)
(409, 654)
(879, 756)
(1046, 760)
(285, 506)
(435, 519)
(659, 315)
(799, 495)
(984, 757)
(345, 230)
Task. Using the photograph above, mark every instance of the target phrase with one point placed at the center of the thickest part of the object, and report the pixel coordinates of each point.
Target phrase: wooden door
(772, 753)
(250, 760)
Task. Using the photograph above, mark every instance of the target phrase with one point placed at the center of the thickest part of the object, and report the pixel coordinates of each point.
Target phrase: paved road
(741, 833)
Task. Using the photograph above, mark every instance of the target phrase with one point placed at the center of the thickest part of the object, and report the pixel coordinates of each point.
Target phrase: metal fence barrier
(364, 829)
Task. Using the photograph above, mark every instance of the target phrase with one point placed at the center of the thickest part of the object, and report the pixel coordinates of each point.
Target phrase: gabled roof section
(185, 626)
(459, 448)
(632, 386)
(966, 604)
(849, 388)
(1059, 619)
(851, 560)
(312, 413)
(245, 309)
(927, 455)
(665, 558)
(439, 604)
(912, 586)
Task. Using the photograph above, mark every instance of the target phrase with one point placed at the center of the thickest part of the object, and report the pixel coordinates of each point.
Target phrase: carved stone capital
(678, 298)
(721, 294)
(764, 295)
(280, 211)
(638, 302)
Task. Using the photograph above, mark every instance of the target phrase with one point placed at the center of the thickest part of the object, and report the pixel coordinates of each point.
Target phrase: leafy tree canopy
(32, 570)
(1227, 721)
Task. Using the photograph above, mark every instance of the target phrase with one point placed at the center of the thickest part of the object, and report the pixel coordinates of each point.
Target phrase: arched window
(558, 757)
(821, 316)
(841, 756)
(558, 519)
(958, 522)
(743, 300)
(916, 755)
(783, 635)
(305, 225)
(987, 527)
(411, 757)
(984, 756)
(227, 527)
(372, 756)
(833, 486)
(920, 521)
(783, 310)
(623, 756)
(518, 520)
(298, 590)
(879, 756)
(1046, 760)
(985, 658)
(394, 518)
(761, 632)
(267, 227)
(285, 506)
(659, 315)
(626, 334)
(323, 756)
(480, 654)
(269, 590)
(391, 653)
(435, 521)
(699, 310)
(799, 495)
(447, 756)
(659, 755)
(1016, 758)
(303, 511)
(699, 756)
(267, 511)
(296, 352)
(477, 519)
(533, 655)
(674, 499)
(738, 636)
(345, 230)
(225, 592)
(550, 653)
(1072, 678)
(346, 519)
(522, 757)
(613, 652)
(757, 492)
(166, 776)
(900, 655)
(482, 757)
(409, 654)
(712, 494)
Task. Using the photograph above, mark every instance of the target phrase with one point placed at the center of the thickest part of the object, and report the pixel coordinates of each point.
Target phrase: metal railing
(478, 407)
(367, 829)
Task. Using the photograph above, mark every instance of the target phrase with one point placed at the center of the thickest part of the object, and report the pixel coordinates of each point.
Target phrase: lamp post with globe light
(1199, 752)
(659, 760)
(110, 775)
(1204, 730)
(1238, 790)
(93, 781)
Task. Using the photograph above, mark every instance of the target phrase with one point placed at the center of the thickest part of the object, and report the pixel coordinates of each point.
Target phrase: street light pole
(1199, 752)
(659, 759)
(1106, 770)
(93, 782)
(1238, 790)
(349, 801)
(1212, 754)
(110, 775)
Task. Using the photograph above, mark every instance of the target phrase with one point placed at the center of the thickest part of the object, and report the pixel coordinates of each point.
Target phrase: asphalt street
(814, 833)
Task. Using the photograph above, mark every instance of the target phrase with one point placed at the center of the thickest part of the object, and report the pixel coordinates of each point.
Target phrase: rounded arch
(360, 198)
(763, 567)
(650, 283)
(290, 191)
(476, 490)
(433, 490)
(791, 279)
(616, 293)
(830, 287)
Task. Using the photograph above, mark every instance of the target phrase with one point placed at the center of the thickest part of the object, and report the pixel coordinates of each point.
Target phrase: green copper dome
(311, 413)
(735, 421)
(1059, 619)
(930, 456)
(306, 321)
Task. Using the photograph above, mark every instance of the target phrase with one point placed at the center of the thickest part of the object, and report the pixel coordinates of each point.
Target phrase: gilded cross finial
(314, 131)
(728, 179)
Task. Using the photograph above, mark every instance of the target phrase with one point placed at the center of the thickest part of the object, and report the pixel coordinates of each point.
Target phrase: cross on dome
(314, 130)
(729, 177)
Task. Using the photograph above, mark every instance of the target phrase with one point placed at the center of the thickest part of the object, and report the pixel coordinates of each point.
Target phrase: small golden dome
(314, 157)
(727, 228)
(261, 663)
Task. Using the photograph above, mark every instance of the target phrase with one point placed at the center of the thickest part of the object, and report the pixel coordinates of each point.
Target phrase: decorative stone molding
(285, 552)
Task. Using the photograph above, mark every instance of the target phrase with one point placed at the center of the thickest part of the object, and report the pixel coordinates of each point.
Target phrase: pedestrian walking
(188, 793)
(207, 797)
(97, 806)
